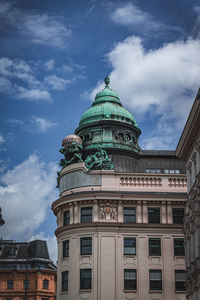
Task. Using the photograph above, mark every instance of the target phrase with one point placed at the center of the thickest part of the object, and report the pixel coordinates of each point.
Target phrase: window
(86, 246)
(172, 171)
(129, 246)
(155, 277)
(153, 171)
(86, 214)
(130, 281)
(179, 249)
(64, 281)
(66, 218)
(85, 279)
(45, 284)
(12, 251)
(154, 247)
(154, 215)
(129, 215)
(10, 284)
(26, 284)
(178, 215)
(180, 280)
(8, 298)
(66, 248)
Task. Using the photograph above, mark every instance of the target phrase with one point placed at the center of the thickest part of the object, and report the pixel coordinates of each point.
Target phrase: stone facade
(189, 149)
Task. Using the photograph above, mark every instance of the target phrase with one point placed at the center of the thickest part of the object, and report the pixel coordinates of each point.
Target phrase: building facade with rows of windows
(120, 211)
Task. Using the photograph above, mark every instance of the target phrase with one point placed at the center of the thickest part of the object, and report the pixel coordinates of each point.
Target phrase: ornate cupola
(109, 125)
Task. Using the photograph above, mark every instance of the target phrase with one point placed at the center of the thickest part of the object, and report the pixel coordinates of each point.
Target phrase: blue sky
(54, 56)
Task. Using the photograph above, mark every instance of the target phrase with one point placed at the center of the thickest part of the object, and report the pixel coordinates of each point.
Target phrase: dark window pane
(155, 277)
(154, 247)
(178, 215)
(26, 284)
(130, 280)
(179, 249)
(129, 215)
(86, 214)
(66, 248)
(10, 284)
(65, 281)
(45, 284)
(85, 279)
(154, 215)
(180, 280)
(66, 218)
(129, 246)
(86, 246)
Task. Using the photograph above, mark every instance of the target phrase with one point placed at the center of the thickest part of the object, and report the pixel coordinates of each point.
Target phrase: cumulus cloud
(26, 192)
(43, 125)
(57, 83)
(50, 64)
(34, 94)
(161, 82)
(2, 140)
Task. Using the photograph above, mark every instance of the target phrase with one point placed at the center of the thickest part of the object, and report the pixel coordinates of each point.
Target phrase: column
(95, 211)
(71, 211)
(145, 213)
(163, 213)
(139, 212)
(76, 210)
(120, 212)
(169, 213)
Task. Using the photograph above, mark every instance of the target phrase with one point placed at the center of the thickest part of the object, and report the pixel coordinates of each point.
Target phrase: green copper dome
(107, 106)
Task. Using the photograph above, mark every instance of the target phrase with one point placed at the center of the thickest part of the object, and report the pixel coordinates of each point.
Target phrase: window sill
(64, 292)
(85, 255)
(129, 255)
(180, 292)
(130, 291)
(155, 291)
(86, 290)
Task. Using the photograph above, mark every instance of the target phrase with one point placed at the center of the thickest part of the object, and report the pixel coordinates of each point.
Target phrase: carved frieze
(107, 211)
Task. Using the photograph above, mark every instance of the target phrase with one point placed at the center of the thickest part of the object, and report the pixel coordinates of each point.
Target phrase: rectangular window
(66, 218)
(10, 284)
(86, 214)
(26, 284)
(178, 215)
(154, 215)
(65, 248)
(64, 281)
(129, 246)
(86, 246)
(155, 278)
(154, 247)
(129, 215)
(130, 279)
(46, 284)
(180, 280)
(85, 279)
(179, 249)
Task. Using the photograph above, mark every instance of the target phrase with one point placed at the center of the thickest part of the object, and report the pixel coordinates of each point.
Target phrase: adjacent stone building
(26, 272)
(188, 149)
(120, 211)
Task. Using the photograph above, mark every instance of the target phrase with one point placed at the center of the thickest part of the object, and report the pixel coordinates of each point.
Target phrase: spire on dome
(107, 81)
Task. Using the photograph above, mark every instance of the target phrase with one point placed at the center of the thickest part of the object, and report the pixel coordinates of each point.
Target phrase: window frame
(45, 284)
(151, 221)
(85, 216)
(128, 246)
(177, 289)
(151, 246)
(65, 249)
(66, 219)
(178, 216)
(179, 247)
(151, 281)
(65, 281)
(26, 282)
(128, 282)
(83, 284)
(10, 284)
(128, 216)
(82, 240)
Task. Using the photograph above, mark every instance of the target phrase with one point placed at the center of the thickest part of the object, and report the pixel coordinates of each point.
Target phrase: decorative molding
(141, 181)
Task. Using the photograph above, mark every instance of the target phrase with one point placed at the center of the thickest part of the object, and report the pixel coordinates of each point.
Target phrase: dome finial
(107, 81)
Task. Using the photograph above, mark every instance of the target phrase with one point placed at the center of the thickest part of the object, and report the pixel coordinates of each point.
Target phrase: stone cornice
(190, 130)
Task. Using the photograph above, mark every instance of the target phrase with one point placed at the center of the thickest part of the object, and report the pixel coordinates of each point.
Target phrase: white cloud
(159, 83)
(130, 15)
(43, 125)
(50, 64)
(2, 140)
(26, 193)
(57, 83)
(45, 30)
(34, 94)
(51, 243)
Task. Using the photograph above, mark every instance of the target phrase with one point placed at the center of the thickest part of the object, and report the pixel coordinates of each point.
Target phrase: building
(120, 211)
(188, 149)
(26, 272)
